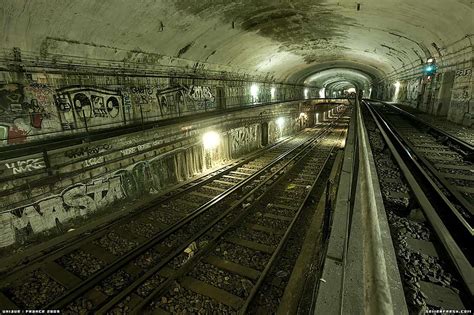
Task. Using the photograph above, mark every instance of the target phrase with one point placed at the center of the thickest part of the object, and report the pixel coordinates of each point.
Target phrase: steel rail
(467, 148)
(89, 283)
(466, 151)
(284, 239)
(200, 254)
(169, 194)
(425, 191)
(454, 196)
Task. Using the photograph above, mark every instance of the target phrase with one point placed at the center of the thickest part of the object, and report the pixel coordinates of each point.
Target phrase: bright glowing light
(317, 117)
(429, 68)
(254, 91)
(397, 91)
(306, 93)
(431, 59)
(322, 93)
(210, 140)
(303, 116)
(280, 122)
(351, 90)
(272, 93)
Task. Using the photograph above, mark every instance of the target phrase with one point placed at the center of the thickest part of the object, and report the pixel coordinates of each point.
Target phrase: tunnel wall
(89, 179)
(448, 93)
(34, 106)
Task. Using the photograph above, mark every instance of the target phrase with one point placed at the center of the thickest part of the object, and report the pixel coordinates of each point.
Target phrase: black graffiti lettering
(113, 107)
(82, 104)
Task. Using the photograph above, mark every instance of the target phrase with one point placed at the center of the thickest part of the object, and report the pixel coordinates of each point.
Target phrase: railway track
(233, 255)
(91, 272)
(447, 161)
(462, 133)
(436, 168)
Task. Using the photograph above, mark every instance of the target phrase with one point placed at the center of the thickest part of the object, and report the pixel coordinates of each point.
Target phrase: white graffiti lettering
(94, 161)
(129, 151)
(20, 167)
(74, 201)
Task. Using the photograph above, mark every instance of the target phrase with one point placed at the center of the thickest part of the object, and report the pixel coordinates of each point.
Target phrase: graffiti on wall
(462, 87)
(460, 101)
(37, 109)
(21, 166)
(26, 110)
(461, 97)
(244, 139)
(234, 95)
(185, 98)
(81, 200)
(25, 166)
(74, 201)
(463, 72)
(413, 89)
(87, 150)
(166, 101)
(84, 107)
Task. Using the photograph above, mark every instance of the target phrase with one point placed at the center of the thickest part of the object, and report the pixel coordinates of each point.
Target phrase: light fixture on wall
(306, 93)
(280, 122)
(210, 140)
(272, 93)
(254, 92)
(397, 91)
(322, 93)
(303, 116)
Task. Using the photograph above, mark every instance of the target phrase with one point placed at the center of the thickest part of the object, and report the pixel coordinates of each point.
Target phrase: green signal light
(429, 69)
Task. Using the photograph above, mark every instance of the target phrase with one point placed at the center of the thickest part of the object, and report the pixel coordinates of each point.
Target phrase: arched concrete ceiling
(287, 40)
(328, 77)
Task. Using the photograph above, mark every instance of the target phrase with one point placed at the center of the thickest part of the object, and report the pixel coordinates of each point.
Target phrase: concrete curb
(360, 274)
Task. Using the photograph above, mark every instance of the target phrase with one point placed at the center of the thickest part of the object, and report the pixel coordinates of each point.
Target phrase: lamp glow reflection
(254, 91)
(210, 140)
(280, 122)
(397, 90)
(322, 93)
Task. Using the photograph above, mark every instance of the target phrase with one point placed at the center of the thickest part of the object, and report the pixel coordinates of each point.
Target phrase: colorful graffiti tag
(26, 110)
(37, 109)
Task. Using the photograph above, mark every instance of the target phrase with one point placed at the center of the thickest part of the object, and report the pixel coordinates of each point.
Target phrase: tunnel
(236, 157)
